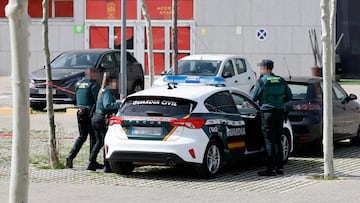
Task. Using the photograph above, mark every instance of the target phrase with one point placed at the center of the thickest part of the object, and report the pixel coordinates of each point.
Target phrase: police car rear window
(299, 90)
(156, 106)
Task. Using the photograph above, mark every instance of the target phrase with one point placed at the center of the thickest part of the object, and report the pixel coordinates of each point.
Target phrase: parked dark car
(69, 67)
(305, 112)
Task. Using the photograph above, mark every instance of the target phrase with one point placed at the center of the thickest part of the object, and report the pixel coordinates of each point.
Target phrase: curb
(8, 110)
(71, 111)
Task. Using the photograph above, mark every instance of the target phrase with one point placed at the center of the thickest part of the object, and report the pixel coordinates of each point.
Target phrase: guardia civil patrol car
(205, 126)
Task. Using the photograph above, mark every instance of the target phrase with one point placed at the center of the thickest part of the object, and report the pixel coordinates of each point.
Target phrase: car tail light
(116, 120)
(306, 107)
(188, 122)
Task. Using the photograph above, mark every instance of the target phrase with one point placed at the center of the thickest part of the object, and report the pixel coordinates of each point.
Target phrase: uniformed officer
(86, 94)
(106, 105)
(272, 92)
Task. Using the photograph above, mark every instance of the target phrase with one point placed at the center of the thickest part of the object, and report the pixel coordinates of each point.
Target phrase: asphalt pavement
(165, 184)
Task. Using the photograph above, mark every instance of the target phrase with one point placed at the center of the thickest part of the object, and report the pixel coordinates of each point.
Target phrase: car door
(249, 111)
(338, 114)
(349, 111)
(231, 126)
(244, 76)
(228, 73)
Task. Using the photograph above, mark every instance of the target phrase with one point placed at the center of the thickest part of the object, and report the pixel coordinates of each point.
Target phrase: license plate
(43, 91)
(147, 131)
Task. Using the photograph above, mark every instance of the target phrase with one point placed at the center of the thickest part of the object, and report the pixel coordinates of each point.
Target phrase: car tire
(38, 106)
(138, 86)
(123, 168)
(212, 161)
(286, 146)
(356, 140)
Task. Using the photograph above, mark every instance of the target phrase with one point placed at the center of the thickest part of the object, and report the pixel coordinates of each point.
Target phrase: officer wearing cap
(86, 93)
(272, 92)
(106, 105)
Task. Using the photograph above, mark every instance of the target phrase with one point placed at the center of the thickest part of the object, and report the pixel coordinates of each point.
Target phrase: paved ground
(237, 183)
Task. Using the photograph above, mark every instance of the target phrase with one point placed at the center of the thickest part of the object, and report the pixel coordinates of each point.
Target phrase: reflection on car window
(339, 93)
(221, 102)
(155, 106)
(198, 67)
(244, 105)
(240, 65)
(228, 69)
(299, 91)
(75, 60)
(108, 61)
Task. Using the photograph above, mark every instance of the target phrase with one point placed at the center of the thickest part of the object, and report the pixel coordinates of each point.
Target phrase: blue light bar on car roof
(193, 80)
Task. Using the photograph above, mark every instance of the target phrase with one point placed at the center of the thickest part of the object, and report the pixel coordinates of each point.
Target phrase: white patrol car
(204, 126)
(236, 70)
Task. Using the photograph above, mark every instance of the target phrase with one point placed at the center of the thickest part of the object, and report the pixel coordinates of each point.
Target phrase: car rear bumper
(149, 157)
(306, 134)
(180, 147)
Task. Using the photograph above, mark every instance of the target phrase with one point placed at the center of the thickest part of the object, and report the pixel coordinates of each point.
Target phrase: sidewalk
(322, 192)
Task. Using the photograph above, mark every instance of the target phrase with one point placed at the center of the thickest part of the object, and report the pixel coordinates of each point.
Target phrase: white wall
(230, 27)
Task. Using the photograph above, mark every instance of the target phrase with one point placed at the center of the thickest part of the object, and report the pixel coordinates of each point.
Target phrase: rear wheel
(212, 161)
(285, 142)
(123, 168)
(37, 106)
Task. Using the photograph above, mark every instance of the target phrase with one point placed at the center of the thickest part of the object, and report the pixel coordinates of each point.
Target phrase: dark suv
(69, 67)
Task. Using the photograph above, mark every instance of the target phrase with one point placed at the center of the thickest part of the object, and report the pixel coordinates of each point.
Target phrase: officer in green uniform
(272, 92)
(106, 105)
(86, 93)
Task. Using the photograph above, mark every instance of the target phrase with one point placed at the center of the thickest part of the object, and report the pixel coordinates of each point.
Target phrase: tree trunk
(333, 36)
(53, 152)
(16, 11)
(327, 88)
(149, 40)
(175, 37)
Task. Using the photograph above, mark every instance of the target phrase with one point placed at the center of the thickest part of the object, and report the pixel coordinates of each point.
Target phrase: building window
(57, 8)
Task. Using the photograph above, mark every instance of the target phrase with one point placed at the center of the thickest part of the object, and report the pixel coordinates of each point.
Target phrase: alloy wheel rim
(213, 159)
(285, 145)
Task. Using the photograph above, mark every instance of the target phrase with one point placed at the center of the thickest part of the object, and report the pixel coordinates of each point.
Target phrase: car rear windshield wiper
(154, 113)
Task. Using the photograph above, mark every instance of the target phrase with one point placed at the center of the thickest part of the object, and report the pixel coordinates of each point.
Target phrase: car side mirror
(351, 97)
(227, 75)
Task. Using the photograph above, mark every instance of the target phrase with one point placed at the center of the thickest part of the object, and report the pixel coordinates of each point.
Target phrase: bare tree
(328, 53)
(16, 11)
(149, 40)
(175, 36)
(53, 153)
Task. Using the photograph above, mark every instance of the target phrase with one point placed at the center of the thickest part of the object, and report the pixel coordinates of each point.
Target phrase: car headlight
(32, 83)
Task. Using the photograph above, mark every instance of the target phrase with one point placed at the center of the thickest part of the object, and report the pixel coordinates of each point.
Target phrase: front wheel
(286, 146)
(212, 161)
(356, 140)
(123, 168)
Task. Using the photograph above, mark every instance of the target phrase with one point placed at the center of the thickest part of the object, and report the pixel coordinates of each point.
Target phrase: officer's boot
(69, 162)
(91, 166)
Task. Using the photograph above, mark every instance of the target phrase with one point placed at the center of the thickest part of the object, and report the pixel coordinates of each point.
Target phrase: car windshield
(199, 67)
(156, 106)
(299, 91)
(75, 60)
